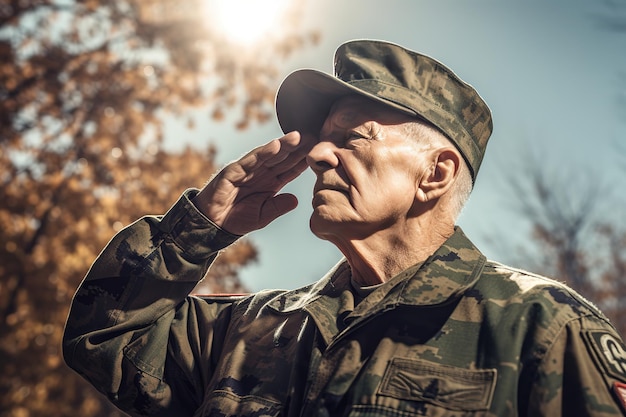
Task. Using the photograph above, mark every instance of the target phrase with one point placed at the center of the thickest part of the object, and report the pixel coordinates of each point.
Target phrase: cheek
(383, 182)
(399, 188)
(387, 195)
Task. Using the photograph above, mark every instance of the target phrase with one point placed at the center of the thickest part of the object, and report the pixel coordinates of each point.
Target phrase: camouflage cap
(402, 79)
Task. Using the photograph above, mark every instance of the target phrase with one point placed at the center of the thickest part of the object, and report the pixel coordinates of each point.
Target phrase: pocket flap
(447, 386)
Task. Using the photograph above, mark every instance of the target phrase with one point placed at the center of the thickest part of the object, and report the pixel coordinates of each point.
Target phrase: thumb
(277, 206)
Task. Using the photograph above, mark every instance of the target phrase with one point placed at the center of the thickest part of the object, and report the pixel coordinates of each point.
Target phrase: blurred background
(109, 110)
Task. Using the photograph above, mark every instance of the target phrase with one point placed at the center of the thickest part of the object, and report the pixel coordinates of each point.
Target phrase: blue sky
(551, 73)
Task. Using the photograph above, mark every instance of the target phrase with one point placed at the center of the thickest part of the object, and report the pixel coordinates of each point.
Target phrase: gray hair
(431, 137)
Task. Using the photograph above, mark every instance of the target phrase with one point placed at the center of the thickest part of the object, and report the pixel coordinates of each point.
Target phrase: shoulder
(551, 313)
(524, 286)
(544, 304)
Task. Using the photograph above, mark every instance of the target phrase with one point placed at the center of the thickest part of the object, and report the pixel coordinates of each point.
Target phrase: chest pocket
(222, 403)
(424, 383)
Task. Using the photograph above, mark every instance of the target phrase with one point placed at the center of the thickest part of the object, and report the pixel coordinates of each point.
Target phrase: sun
(246, 21)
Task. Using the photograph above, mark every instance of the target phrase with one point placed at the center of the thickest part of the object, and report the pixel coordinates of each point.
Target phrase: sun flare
(246, 21)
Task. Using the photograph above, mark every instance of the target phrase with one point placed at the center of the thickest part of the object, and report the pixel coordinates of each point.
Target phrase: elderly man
(414, 320)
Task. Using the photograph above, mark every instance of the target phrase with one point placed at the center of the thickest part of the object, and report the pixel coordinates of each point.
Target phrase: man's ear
(440, 176)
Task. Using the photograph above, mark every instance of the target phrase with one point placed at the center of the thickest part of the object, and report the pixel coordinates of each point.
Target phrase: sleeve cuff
(192, 231)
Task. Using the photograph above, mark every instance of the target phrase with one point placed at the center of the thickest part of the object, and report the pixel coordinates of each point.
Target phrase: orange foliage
(82, 88)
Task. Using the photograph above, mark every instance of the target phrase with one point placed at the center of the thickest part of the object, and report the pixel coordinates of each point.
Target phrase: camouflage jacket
(456, 336)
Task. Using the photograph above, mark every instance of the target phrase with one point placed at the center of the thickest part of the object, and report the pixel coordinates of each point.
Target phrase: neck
(380, 256)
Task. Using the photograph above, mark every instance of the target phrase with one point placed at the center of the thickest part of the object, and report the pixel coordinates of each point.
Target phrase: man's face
(368, 171)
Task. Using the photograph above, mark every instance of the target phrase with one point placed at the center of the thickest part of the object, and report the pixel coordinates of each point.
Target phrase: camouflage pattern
(397, 77)
(456, 336)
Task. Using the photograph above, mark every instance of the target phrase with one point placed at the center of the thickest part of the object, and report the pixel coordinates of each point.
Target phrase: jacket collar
(442, 278)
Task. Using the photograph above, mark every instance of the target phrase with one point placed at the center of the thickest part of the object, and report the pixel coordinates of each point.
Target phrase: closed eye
(354, 136)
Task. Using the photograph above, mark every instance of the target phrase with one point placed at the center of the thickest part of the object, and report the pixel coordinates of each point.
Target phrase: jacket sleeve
(132, 310)
(583, 373)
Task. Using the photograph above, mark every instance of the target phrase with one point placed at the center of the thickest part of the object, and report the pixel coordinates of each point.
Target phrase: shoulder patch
(620, 392)
(610, 352)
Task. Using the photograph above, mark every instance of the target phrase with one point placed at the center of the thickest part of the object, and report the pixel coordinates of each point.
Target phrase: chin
(315, 225)
(331, 227)
(322, 227)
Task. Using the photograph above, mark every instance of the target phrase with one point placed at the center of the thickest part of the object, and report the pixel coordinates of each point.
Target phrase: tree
(576, 233)
(577, 226)
(84, 87)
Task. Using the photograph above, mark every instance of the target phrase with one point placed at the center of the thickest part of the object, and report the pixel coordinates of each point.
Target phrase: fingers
(242, 197)
(280, 154)
(291, 147)
(277, 206)
(293, 173)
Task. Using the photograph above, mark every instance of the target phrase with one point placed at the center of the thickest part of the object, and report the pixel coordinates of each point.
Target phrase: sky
(553, 75)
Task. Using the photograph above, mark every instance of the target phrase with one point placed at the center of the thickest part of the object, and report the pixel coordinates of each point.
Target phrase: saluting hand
(242, 196)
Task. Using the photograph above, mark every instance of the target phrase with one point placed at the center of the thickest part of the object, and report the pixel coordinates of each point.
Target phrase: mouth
(328, 187)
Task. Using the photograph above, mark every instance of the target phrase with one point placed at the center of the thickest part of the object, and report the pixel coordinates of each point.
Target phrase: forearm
(121, 316)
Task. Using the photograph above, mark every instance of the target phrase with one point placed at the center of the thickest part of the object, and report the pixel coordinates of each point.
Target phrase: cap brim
(305, 97)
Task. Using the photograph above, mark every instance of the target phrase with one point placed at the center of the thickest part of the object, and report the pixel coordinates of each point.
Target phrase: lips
(330, 187)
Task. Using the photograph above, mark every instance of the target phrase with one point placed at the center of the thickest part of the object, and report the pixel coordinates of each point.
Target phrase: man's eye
(354, 136)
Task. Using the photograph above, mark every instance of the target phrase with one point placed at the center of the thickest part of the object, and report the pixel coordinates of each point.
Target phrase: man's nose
(323, 156)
